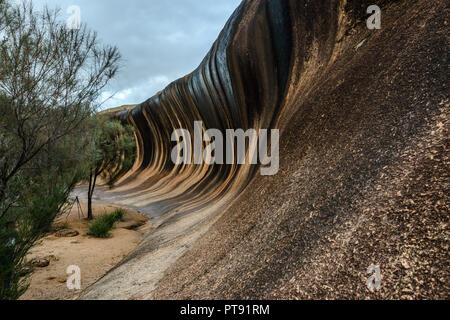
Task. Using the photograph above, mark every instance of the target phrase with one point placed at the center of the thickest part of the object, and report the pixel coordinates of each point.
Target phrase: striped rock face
(249, 80)
(363, 160)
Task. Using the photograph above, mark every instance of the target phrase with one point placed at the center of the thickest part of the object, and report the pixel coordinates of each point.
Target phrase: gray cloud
(159, 40)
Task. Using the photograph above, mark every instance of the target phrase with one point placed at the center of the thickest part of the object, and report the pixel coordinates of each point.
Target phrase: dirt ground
(94, 257)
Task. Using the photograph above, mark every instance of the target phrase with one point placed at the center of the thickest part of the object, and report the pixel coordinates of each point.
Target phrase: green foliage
(22, 226)
(50, 80)
(101, 226)
(113, 149)
(124, 161)
(118, 214)
(4, 14)
(12, 265)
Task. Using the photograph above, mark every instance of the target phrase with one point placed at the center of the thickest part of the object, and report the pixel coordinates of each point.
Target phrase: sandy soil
(95, 257)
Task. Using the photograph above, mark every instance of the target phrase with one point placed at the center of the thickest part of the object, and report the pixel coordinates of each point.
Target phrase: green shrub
(22, 226)
(101, 226)
(118, 214)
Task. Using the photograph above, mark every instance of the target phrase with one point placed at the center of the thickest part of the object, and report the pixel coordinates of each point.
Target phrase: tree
(50, 81)
(114, 152)
(50, 76)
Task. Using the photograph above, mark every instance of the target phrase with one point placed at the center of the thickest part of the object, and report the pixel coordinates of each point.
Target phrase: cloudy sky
(160, 40)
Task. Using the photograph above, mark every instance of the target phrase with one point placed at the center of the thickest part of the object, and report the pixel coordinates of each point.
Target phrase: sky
(159, 40)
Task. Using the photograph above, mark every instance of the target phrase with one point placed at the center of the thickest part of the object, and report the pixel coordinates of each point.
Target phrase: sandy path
(95, 257)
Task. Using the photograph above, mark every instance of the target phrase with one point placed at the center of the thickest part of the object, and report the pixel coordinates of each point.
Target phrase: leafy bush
(118, 214)
(113, 151)
(101, 226)
(51, 78)
(21, 227)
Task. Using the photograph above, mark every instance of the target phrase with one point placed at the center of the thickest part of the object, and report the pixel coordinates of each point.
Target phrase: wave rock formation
(363, 176)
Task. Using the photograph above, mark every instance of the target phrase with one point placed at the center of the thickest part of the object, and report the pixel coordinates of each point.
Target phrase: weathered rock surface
(129, 225)
(363, 178)
(66, 233)
(40, 263)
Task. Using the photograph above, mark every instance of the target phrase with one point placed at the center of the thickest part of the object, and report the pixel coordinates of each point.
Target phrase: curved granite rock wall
(363, 179)
(266, 54)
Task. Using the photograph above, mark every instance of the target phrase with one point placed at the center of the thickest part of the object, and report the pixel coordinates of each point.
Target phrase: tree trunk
(92, 182)
(2, 192)
(90, 193)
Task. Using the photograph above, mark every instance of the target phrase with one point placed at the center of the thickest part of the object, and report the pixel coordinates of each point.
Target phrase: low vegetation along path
(69, 244)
